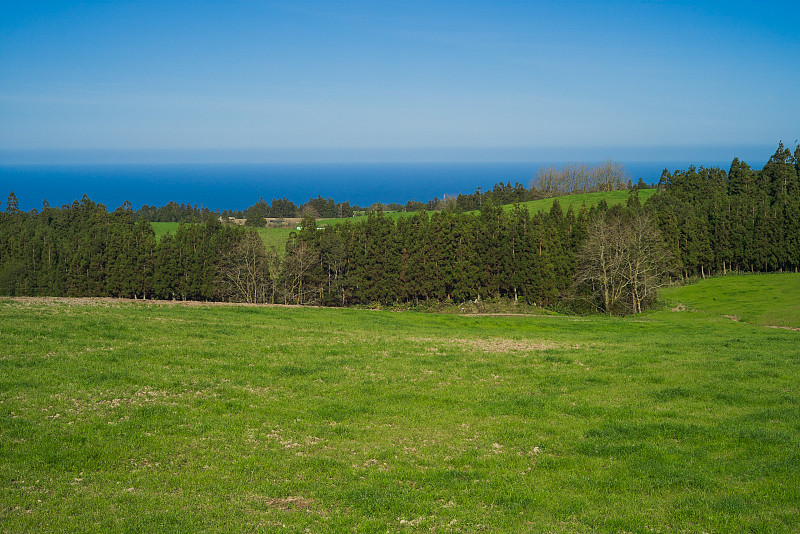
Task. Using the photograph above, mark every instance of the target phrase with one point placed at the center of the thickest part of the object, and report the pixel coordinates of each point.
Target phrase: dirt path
(793, 329)
(116, 302)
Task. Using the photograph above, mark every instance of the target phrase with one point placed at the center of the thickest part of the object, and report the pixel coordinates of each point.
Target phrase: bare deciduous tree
(581, 178)
(609, 176)
(300, 260)
(243, 273)
(623, 263)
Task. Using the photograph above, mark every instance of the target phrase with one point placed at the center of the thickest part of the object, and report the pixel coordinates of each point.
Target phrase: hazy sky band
(305, 76)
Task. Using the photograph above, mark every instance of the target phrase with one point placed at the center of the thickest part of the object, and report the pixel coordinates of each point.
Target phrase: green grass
(275, 237)
(272, 237)
(170, 418)
(394, 215)
(763, 299)
(590, 199)
(163, 228)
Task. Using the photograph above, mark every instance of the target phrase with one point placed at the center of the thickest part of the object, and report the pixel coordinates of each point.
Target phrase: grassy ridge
(163, 228)
(763, 299)
(394, 215)
(276, 237)
(272, 237)
(156, 417)
(590, 199)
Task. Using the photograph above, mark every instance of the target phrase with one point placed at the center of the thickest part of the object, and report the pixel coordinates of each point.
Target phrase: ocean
(237, 186)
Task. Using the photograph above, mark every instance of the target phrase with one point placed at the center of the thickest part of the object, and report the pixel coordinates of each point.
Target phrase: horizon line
(410, 155)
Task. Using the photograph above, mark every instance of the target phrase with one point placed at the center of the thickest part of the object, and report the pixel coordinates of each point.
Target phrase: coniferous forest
(701, 222)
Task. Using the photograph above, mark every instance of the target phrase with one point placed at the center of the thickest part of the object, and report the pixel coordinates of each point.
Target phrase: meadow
(147, 416)
(272, 237)
(276, 237)
(588, 199)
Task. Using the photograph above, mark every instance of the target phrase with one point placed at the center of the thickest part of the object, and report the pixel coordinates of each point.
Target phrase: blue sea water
(237, 186)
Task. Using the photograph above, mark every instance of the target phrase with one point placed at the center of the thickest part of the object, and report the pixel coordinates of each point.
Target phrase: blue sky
(297, 81)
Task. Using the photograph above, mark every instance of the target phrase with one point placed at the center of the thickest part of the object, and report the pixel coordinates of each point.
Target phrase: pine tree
(12, 205)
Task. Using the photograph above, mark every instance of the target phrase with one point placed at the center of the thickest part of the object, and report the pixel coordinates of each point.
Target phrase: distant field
(163, 228)
(590, 199)
(272, 237)
(150, 417)
(394, 215)
(535, 206)
(764, 299)
(277, 236)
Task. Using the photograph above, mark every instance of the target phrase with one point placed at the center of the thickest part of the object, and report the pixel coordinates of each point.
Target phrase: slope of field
(272, 237)
(277, 236)
(163, 228)
(764, 299)
(590, 199)
(121, 416)
(394, 215)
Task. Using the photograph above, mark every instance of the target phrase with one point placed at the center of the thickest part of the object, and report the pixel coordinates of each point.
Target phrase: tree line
(612, 259)
(83, 250)
(549, 182)
(742, 220)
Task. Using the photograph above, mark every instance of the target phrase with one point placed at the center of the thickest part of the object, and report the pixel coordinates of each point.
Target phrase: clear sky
(409, 80)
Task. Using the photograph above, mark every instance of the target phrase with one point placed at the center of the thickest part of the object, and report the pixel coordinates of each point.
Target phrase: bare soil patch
(112, 302)
(793, 329)
(495, 345)
(288, 504)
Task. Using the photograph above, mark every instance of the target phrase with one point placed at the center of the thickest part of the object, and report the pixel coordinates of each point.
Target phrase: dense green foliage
(152, 417)
(173, 212)
(744, 220)
(579, 200)
(82, 250)
(604, 258)
(440, 256)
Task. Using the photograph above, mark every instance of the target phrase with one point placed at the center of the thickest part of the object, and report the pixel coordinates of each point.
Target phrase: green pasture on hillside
(151, 417)
(589, 199)
(763, 299)
(276, 237)
(272, 237)
(394, 215)
(163, 228)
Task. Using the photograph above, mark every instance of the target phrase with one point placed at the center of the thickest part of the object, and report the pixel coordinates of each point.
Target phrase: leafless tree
(243, 273)
(274, 269)
(609, 176)
(575, 178)
(334, 255)
(623, 263)
(648, 261)
(300, 260)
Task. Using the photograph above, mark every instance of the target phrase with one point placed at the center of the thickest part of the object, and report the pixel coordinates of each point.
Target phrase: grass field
(535, 206)
(272, 237)
(151, 417)
(276, 237)
(163, 228)
(772, 299)
(394, 215)
(590, 199)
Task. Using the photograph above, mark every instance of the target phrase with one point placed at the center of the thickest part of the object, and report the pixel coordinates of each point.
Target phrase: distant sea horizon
(239, 185)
